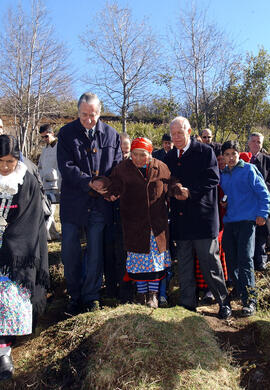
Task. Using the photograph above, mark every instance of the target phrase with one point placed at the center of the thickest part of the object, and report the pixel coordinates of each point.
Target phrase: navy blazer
(197, 217)
(79, 160)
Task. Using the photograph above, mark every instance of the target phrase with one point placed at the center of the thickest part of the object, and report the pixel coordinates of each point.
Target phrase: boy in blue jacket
(247, 205)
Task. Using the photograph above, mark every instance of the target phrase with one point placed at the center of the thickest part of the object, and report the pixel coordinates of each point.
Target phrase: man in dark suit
(86, 148)
(262, 162)
(194, 216)
(167, 145)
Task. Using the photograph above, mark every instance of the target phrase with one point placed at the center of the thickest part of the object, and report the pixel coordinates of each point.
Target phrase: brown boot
(141, 298)
(152, 299)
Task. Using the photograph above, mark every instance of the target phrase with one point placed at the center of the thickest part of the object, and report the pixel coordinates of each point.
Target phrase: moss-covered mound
(129, 347)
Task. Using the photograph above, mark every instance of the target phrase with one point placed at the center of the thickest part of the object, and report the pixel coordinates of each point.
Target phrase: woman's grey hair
(90, 98)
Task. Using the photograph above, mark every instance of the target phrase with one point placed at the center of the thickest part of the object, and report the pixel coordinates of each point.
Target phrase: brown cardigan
(142, 203)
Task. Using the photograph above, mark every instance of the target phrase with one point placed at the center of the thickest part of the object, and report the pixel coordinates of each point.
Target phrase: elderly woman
(142, 184)
(23, 251)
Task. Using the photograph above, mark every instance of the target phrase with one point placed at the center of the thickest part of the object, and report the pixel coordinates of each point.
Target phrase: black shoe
(91, 306)
(249, 309)
(224, 312)
(6, 367)
(73, 308)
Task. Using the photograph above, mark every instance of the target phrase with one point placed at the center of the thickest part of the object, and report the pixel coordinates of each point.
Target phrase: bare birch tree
(125, 52)
(33, 70)
(203, 59)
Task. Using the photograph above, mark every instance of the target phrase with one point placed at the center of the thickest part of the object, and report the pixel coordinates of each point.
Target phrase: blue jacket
(197, 217)
(79, 160)
(247, 193)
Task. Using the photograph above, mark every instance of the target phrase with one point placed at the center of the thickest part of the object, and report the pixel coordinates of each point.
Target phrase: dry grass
(130, 347)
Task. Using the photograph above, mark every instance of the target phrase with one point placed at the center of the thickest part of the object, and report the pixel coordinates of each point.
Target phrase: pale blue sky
(245, 21)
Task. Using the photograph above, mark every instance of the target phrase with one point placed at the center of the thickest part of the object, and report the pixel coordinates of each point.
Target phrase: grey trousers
(207, 251)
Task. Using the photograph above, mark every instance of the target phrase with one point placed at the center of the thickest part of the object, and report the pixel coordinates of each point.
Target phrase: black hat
(166, 137)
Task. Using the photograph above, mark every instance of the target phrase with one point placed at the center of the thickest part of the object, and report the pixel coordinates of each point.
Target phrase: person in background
(262, 162)
(125, 145)
(114, 254)
(160, 154)
(86, 148)
(167, 145)
(194, 216)
(207, 138)
(142, 184)
(50, 175)
(247, 205)
(24, 274)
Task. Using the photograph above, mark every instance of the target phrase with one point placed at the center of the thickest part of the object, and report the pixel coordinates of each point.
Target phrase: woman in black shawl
(23, 251)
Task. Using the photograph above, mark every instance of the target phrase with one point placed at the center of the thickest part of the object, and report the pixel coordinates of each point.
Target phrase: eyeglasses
(45, 136)
(210, 136)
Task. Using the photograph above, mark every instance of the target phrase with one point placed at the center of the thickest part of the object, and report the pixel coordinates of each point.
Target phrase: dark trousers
(260, 255)
(238, 242)
(83, 273)
(115, 263)
(207, 251)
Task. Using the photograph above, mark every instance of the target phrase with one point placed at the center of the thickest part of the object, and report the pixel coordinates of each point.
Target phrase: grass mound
(129, 347)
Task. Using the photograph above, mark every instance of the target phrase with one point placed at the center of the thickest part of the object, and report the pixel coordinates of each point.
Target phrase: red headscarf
(142, 143)
(246, 156)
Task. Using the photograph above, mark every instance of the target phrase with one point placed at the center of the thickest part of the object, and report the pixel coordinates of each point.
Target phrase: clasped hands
(97, 186)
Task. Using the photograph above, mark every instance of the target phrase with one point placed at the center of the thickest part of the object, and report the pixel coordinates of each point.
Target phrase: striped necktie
(91, 134)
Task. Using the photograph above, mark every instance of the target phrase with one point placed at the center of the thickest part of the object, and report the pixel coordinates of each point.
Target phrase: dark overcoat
(262, 162)
(142, 203)
(197, 217)
(79, 160)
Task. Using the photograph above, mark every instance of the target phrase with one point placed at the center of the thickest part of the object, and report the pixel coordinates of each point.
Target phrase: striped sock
(142, 287)
(153, 286)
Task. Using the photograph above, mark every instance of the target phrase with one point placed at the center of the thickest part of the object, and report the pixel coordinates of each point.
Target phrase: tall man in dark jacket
(262, 162)
(86, 148)
(194, 216)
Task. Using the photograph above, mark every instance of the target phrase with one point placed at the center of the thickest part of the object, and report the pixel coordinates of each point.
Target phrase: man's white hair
(256, 134)
(90, 98)
(208, 131)
(182, 121)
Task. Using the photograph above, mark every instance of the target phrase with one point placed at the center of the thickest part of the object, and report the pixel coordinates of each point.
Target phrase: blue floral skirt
(145, 264)
(15, 308)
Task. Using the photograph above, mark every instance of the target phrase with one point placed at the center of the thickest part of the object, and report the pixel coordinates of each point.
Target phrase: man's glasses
(207, 137)
(45, 136)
